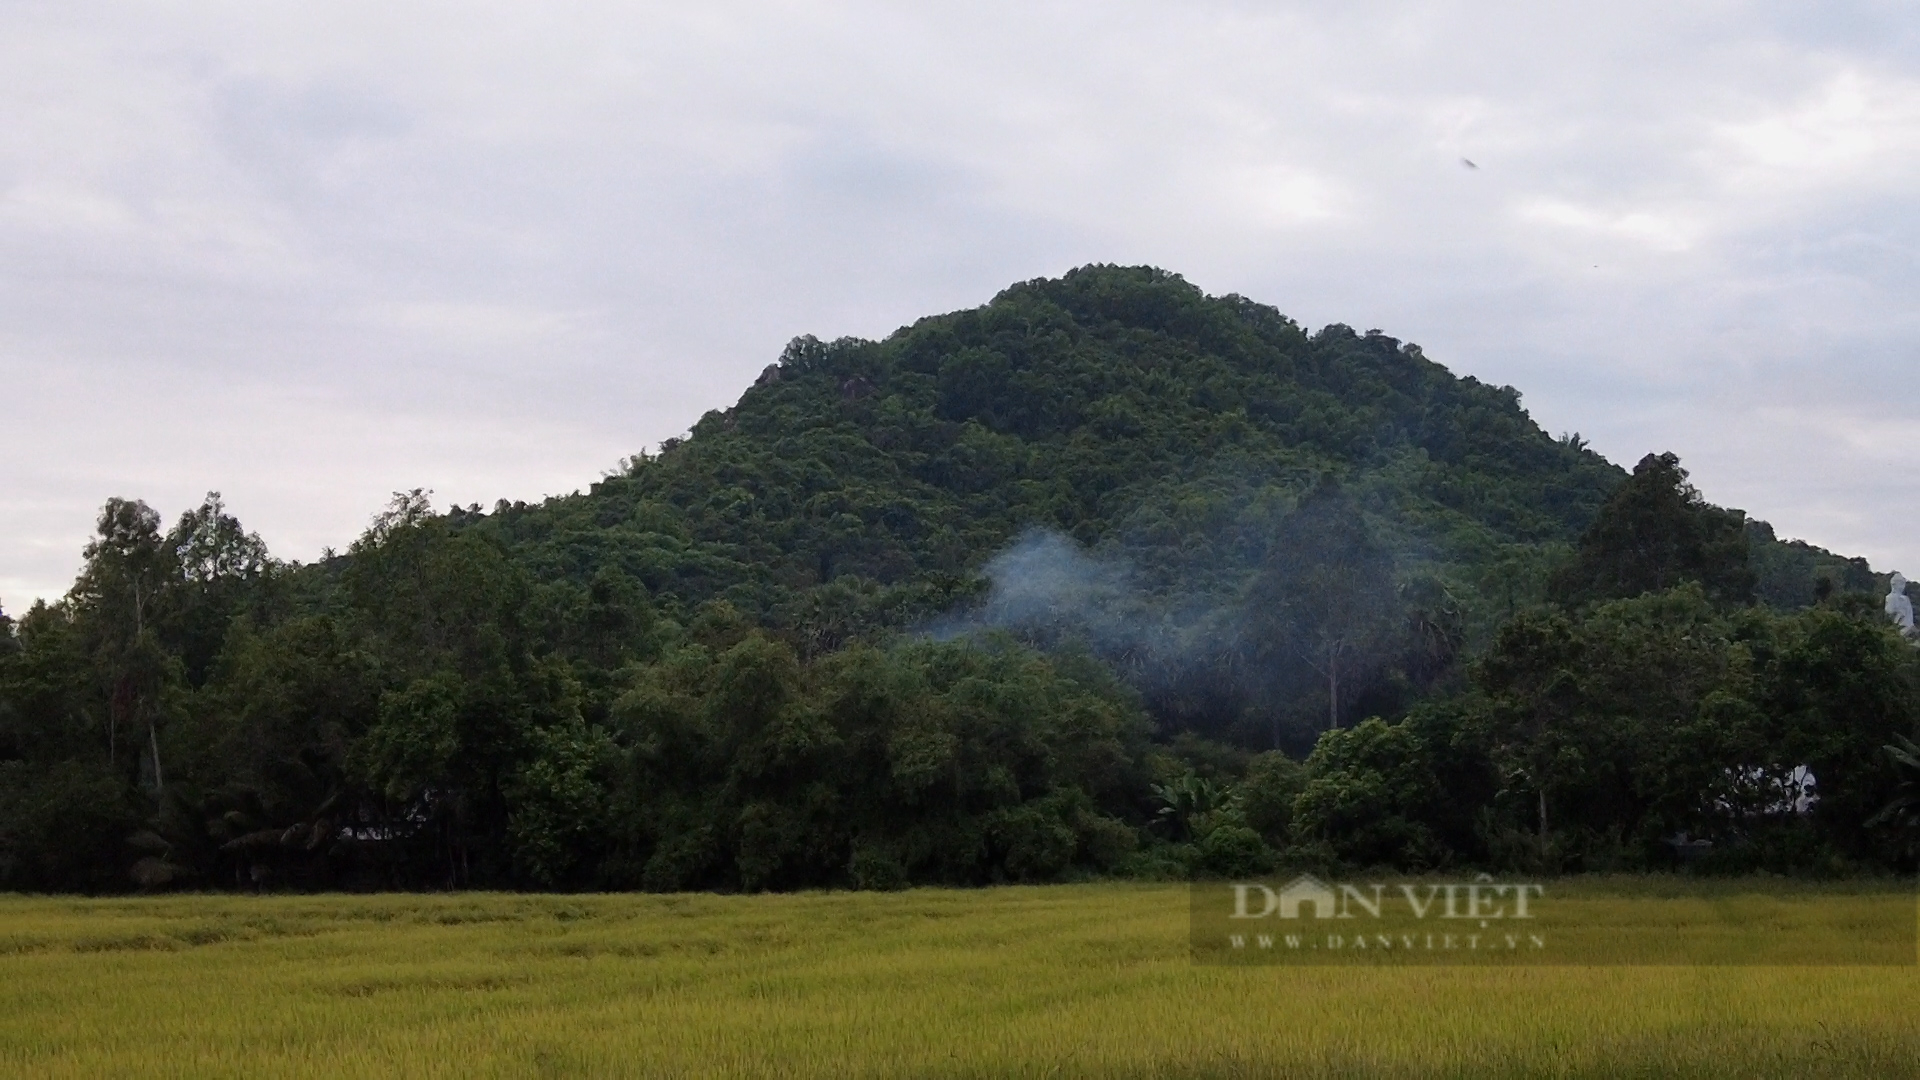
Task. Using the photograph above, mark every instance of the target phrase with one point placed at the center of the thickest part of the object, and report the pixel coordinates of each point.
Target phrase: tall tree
(1655, 532)
(1326, 595)
(128, 566)
(215, 562)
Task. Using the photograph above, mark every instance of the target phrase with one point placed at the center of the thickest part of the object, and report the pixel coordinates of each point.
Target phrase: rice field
(1061, 981)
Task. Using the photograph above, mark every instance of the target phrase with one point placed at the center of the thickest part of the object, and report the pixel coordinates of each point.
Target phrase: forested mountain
(1102, 576)
(1120, 407)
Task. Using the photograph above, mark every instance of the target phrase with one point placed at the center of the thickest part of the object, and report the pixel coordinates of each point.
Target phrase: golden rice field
(1082, 980)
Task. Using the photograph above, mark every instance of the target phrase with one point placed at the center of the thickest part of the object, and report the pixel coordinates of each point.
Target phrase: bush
(1107, 841)
(875, 870)
(1370, 793)
(1160, 862)
(1235, 851)
(1267, 793)
(1034, 844)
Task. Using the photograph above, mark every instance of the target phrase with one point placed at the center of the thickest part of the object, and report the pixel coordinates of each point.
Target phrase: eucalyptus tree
(1326, 596)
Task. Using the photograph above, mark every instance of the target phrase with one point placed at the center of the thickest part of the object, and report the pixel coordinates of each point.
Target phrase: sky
(308, 255)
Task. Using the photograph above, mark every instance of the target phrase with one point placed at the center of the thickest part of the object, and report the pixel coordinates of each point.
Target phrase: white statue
(1898, 605)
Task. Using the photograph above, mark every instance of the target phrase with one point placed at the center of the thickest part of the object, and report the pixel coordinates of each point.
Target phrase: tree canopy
(1105, 576)
(1655, 532)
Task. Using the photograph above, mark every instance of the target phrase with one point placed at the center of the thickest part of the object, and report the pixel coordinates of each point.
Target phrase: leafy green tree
(217, 569)
(1625, 719)
(434, 597)
(1655, 532)
(1842, 685)
(558, 800)
(269, 744)
(63, 826)
(119, 593)
(929, 762)
(1371, 795)
(1638, 719)
(1267, 793)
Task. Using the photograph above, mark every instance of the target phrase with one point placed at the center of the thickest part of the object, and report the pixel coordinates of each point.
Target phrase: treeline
(1304, 599)
(423, 715)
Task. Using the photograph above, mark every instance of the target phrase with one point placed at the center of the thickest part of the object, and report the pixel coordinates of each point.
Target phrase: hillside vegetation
(1107, 576)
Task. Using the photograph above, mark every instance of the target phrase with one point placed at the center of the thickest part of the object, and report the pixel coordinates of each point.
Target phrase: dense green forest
(1105, 577)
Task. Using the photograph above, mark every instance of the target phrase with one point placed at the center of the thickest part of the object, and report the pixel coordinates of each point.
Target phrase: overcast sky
(308, 254)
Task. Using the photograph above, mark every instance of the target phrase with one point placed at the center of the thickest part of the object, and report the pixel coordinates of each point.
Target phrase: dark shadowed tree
(215, 564)
(1326, 596)
(1654, 533)
(128, 568)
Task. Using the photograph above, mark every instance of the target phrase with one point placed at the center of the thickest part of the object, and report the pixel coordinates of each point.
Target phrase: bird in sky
(1468, 162)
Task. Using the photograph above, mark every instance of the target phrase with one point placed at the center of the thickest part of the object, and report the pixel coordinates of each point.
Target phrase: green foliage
(1902, 812)
(1655, 532)
(1234, 851)
(1188, 803)
(409, 751)
(1793, 575)
(1267, 794)
(925, 762)
(1664, 714)
(1371, 795)
(767, 657)
(65, 827)
(1326, 597)
(558, 800)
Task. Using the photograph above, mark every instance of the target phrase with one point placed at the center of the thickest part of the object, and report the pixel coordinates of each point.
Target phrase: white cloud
(468, 324)
(1661, 231)
(41, 207)
(1846, 127)
(568, 231)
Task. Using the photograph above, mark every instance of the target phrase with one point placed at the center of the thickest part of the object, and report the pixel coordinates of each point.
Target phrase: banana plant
(1903, 812)
(1191, 804)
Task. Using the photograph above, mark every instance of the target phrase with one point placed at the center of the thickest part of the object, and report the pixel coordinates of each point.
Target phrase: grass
(1081, 980)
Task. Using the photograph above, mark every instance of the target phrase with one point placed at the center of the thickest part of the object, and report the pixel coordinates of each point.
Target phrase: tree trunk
(1542, 792)
(153, 741)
